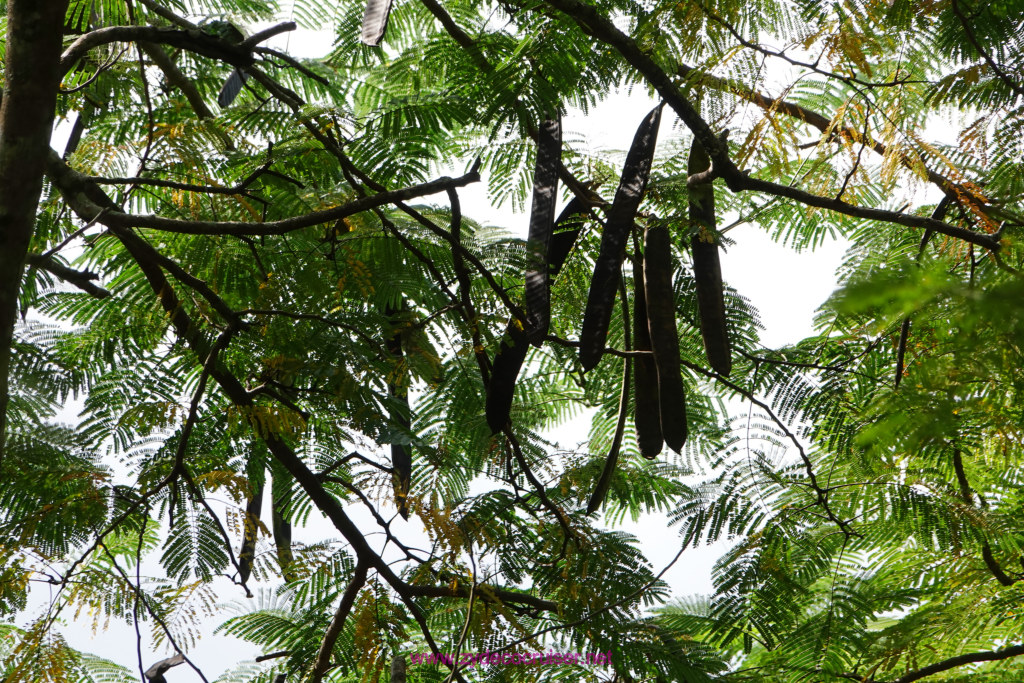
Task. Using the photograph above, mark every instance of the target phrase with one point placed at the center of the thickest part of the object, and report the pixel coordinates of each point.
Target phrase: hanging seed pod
(398, 392)
(542, 225)
(375, 22)
(569, 222)
(282, 528)
(661, 321)
(249, 534)
(504, 372)
(601, 490)
(397, 669)
(232, 86)
(707, 269)
(901, 351)
(647, 410)
(604, 284)
(512, 352)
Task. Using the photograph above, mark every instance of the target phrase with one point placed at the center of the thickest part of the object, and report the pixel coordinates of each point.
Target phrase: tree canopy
(254, 274)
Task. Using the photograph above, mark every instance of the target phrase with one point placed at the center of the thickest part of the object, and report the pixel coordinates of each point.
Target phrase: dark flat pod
(375, 22)
(398, 669)
(401, 455)
(661, 321)
(605, 481)
(605, 283)
(232, 86)
(507, 364)
(508, 361)
(283, 538)
(156, 672)
(707, 268)
(542, 225)
(252, 525)
(647, 408)
(569, 223)
(901, 346)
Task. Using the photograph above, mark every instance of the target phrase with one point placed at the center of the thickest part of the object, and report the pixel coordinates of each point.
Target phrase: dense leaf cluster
(274, 314)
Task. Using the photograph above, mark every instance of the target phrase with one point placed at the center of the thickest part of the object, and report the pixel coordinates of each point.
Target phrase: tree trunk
(31, 77)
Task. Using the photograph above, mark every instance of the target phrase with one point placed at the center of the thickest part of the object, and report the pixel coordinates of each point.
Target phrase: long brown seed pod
(707, 268)
(375, 21)
(542, 225)
(607, 267)
(601, 490)
(512, 352)
(504, 372)
(647, 409)
(661, 321)
(282, 527)
(401, 457)
(398, 669)
(249, 534)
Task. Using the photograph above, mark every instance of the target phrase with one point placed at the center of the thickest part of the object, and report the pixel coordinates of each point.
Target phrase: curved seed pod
(401, 456)
(563, 242)
(512, 352)
(542, 225)
(397, 669)
(604, 284)
(282, 527)
(661, 321)
(375, 22)
(156, 672)
(647, 412)
(252, 525)
(601, 490)
(707, 269)
(232, 86)
(507, 363)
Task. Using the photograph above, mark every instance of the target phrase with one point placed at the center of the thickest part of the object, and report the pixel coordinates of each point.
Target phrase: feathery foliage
(285, 303)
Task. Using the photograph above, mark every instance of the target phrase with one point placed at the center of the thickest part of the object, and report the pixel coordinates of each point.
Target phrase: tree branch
(962, 660)
(82, 279)
(77, 186)
(31, 77)
(973, 40)
(193, 40)
(348, 599)
(602, 28)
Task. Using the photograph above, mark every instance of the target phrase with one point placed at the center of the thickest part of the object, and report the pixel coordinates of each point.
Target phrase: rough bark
(31, 76)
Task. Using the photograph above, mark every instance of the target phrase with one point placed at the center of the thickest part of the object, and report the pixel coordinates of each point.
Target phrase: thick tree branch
(193, 40)
(961, 660)
(31, 76)
(78, 185)
(79, 278)
(348, 599)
